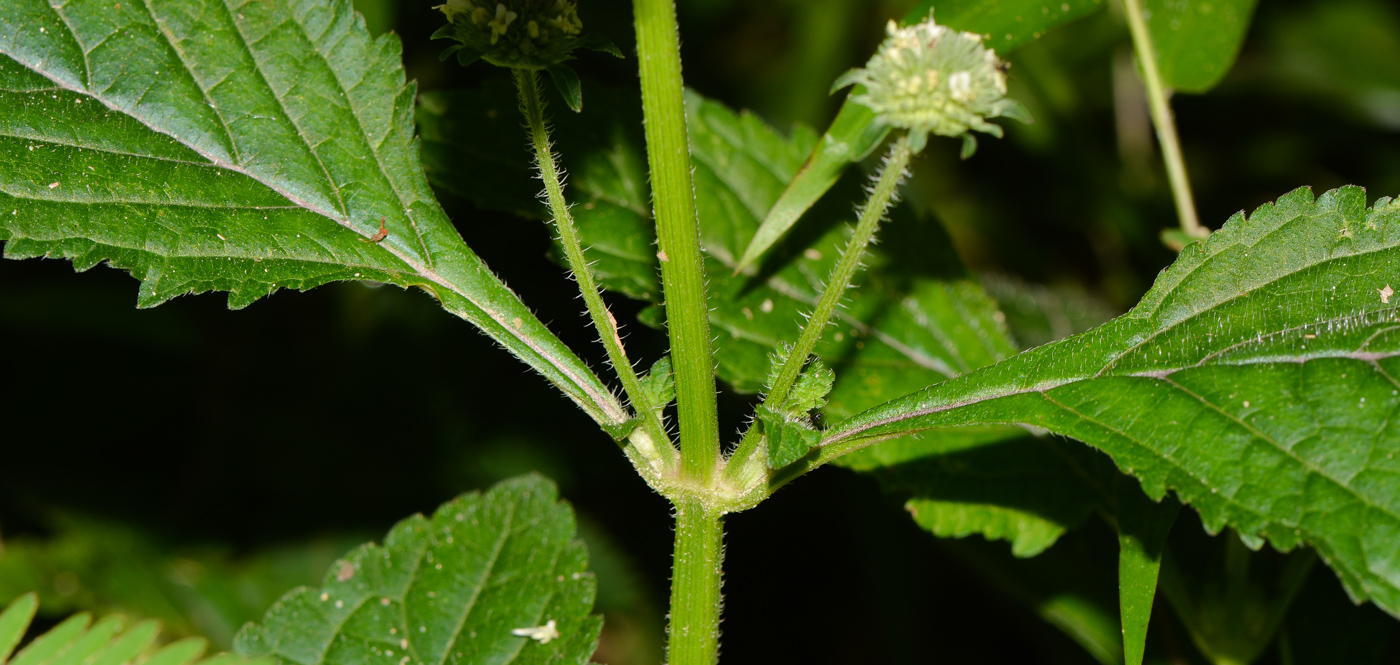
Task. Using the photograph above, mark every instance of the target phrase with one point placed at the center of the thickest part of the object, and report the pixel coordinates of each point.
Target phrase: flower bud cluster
(530, 34)
(928, 78)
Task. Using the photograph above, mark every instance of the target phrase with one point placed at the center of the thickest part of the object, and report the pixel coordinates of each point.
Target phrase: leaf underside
(241, 146)
(447, 589)
(1257, 379)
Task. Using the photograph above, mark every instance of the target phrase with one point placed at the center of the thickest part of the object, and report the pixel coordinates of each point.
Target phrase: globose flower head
(928, 78)
(519, 34)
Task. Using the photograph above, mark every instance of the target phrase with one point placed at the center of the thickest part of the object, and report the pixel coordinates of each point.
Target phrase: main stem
(678, 237)
(532, 106)
(1164, 122)
(695, 577)
(886, 182)
(695, 585)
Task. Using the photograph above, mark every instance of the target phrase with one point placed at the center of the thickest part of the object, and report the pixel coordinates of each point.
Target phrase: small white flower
(542, 634)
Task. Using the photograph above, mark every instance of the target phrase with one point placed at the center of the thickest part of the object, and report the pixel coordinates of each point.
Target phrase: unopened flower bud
(928, 78)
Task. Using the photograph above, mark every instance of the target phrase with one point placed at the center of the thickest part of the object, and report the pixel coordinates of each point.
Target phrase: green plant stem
(695, 585)
(678, 237)
(527, 82)
(1164, 122)
(886, 182)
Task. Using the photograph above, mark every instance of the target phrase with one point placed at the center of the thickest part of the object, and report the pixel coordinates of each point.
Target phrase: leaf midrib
(1046, 386)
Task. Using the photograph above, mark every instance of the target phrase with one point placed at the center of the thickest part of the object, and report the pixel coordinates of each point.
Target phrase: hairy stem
(695, 585)
(891, 174)
(527, 82)
(1164, 122)
(678, 237)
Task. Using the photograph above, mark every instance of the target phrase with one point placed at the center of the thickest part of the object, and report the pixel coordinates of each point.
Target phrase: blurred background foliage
(191, 463)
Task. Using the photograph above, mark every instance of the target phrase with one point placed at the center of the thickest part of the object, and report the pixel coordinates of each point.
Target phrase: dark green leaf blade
(243, 150)
(1197, 42)
(450, 587)
(1142, 533)
(1267, 357)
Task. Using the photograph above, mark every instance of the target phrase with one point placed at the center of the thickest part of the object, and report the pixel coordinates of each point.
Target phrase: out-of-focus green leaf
(1007, 24)
(14, 621)
(1143, 526)
(1233, 612)
(94, 566)
(1323, 627)
(108, 642)
(1268, 358)
(242, 150)
(1028, 491)
(1342, 51)
(493, 577)
(1070, 586)
(1037, 315)
(379, 15)
(1197, 40)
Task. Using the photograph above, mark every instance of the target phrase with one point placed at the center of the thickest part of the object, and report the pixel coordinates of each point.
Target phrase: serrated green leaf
(450, 588)
(789, 438)
(1142, 533)
(1268, 359)
(1197, 42)
(812, 387)
(659, 382)
(77, 641)
(242, 148)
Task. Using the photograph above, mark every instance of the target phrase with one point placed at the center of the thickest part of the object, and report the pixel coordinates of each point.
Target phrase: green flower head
(928, 78)
(525, 34)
